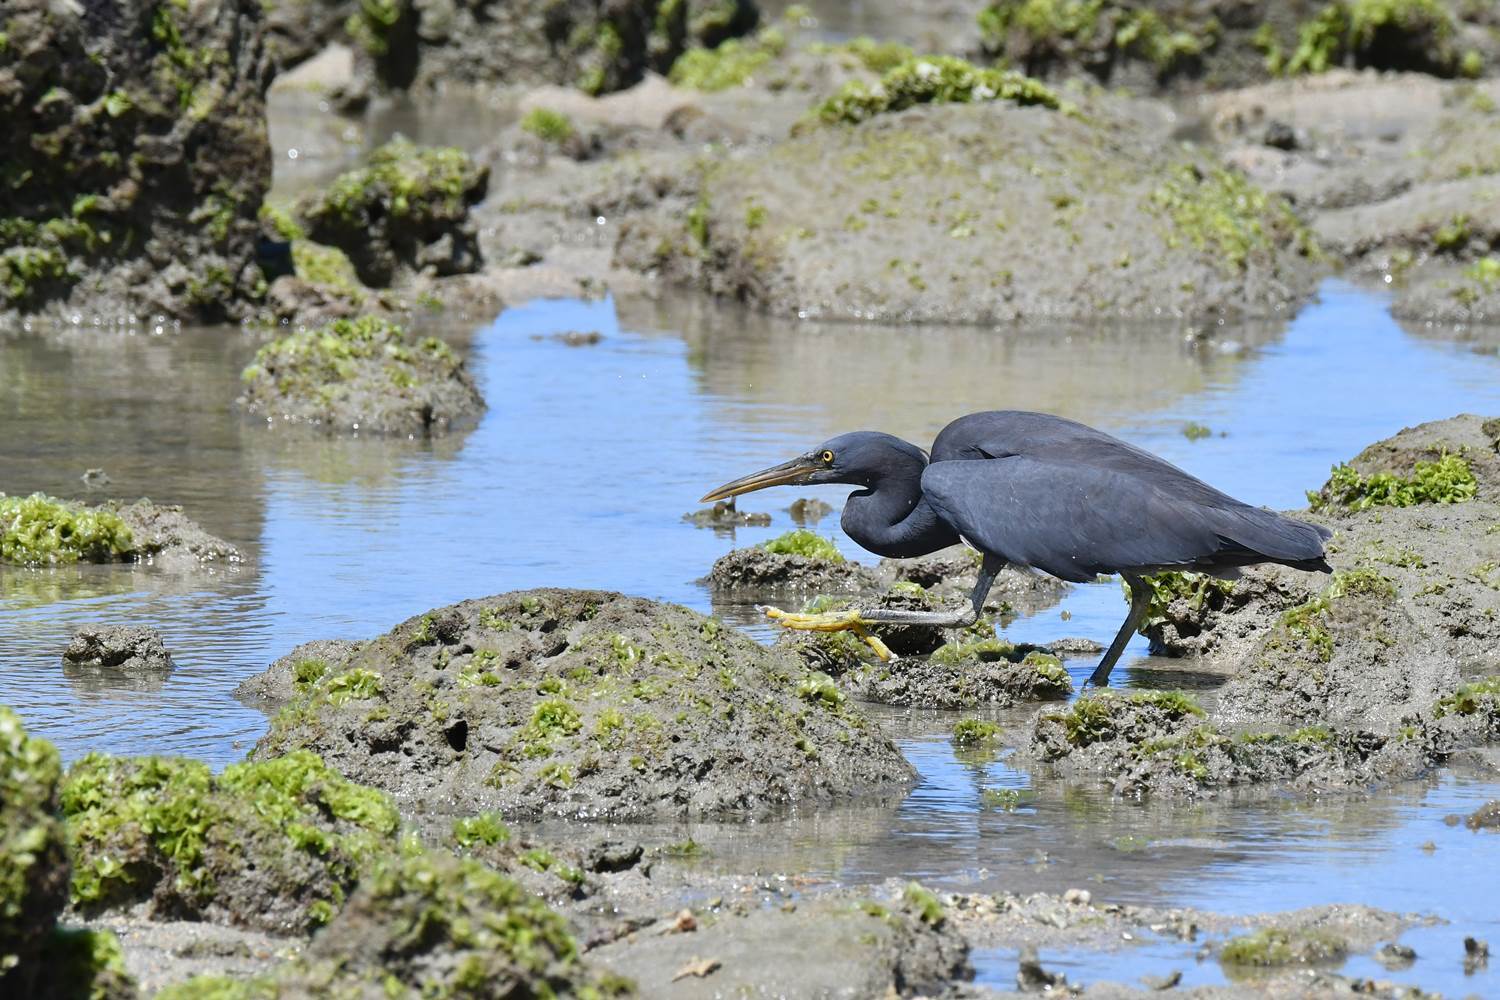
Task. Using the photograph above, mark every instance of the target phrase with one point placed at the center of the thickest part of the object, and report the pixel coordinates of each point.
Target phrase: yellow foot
(830, 621)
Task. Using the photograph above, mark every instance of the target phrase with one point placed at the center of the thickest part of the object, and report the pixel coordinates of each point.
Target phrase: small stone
(131, 648)
(1476, 955)
(1166, 982)
(699, 968)
(1032, 978)
(1078, 897)
(1486, 817)
(1452, 819)
(1396, 956)
(1280, 135)
(613, 856)
(683, 923)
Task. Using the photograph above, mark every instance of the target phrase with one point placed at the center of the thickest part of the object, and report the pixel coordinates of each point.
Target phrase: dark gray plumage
(1035, 490)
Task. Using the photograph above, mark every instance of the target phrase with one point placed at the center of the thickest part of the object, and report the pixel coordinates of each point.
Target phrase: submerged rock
(36, 957)
(407, 209)
(1135, 226)
(126, 648)
(275, 844)
(579, 703)
(364, 375)
(44, 531)
(726, 515)
(135, 166)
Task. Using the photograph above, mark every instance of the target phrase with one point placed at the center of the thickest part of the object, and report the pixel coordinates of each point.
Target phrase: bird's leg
(856, 620)
(1140, 599)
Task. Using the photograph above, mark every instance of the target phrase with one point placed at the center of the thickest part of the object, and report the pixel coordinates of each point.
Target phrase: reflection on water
(578, 475)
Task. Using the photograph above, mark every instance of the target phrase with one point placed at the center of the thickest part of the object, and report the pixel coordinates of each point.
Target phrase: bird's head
(861, 458)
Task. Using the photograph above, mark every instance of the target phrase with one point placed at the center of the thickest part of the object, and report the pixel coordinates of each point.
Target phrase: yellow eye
(827, 457)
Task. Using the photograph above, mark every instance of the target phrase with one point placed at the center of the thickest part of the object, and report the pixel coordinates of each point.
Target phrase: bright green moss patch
(1278, 946)
(1048, 667)
(733, 63)
(1448, 480)
(358, 684)
(932, 80)
(926, 904)
(26, 271)
(976, 732)
(1348, 583)
(820, 689)
(1219, 212)
(41, 531)
(1471, 699)
(807, 544)
(986, 650)
(326, 266)
(281, 222)
(486, 829)
(167, 829)
(548, 125)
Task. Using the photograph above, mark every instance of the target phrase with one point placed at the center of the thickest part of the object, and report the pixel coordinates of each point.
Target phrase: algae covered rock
(275, 844)
(33, 857)
(429, 924)
(137, 157)
(991, 210)
(365, 375)
(129, 648)
(597, 47)
(579, 703)
(798, 560)
(407, 208)
(1413, 607)
(40, 530)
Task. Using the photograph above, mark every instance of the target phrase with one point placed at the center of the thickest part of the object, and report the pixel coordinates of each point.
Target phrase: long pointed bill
(787, 473)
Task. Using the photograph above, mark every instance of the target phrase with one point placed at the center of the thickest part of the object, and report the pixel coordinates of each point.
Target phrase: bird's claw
(830, 621)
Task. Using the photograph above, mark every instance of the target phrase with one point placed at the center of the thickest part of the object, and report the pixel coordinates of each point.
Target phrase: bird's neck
(893, 519)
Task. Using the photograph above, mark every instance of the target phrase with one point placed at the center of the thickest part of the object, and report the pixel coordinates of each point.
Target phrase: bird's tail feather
(1274, 537)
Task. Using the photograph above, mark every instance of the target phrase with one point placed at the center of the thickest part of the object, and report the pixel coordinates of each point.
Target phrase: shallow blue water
(578, 475)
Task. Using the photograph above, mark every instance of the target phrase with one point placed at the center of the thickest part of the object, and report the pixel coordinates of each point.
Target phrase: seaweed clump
(274, 844)
(366, 374)
(409, 207)
(1447, 480)
(804, 543)
(39, 530)
(1218, 211)
(731, 64)
(37, 958)
(933, 80)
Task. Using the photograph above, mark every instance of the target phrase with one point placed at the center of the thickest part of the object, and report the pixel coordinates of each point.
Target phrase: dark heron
(1034, 490)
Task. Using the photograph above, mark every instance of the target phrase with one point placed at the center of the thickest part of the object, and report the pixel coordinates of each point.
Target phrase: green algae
(1098, 718)
(39, 530)
(1447, 480)
(1042, 30)
(875, 56)
(733, 63)
(928, 907)
(326, 266)
(1218, 211)
(819, 689)
(311, 364)
(32, 859)
(485, 829)
(404, 179)
(806, 544)
(1194, 431)
(1275, 946)
(1172, 586)
(976, 732)
(1480, 278)
(1473, 698)
(986, 649)
(1372, 32)
(548, 125)
(168, 829)
(933, 80)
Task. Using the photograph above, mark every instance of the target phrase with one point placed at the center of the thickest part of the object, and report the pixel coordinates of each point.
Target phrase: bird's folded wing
(1068, 520)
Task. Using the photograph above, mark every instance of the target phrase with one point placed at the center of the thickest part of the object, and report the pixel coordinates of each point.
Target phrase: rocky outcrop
(136, 157)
